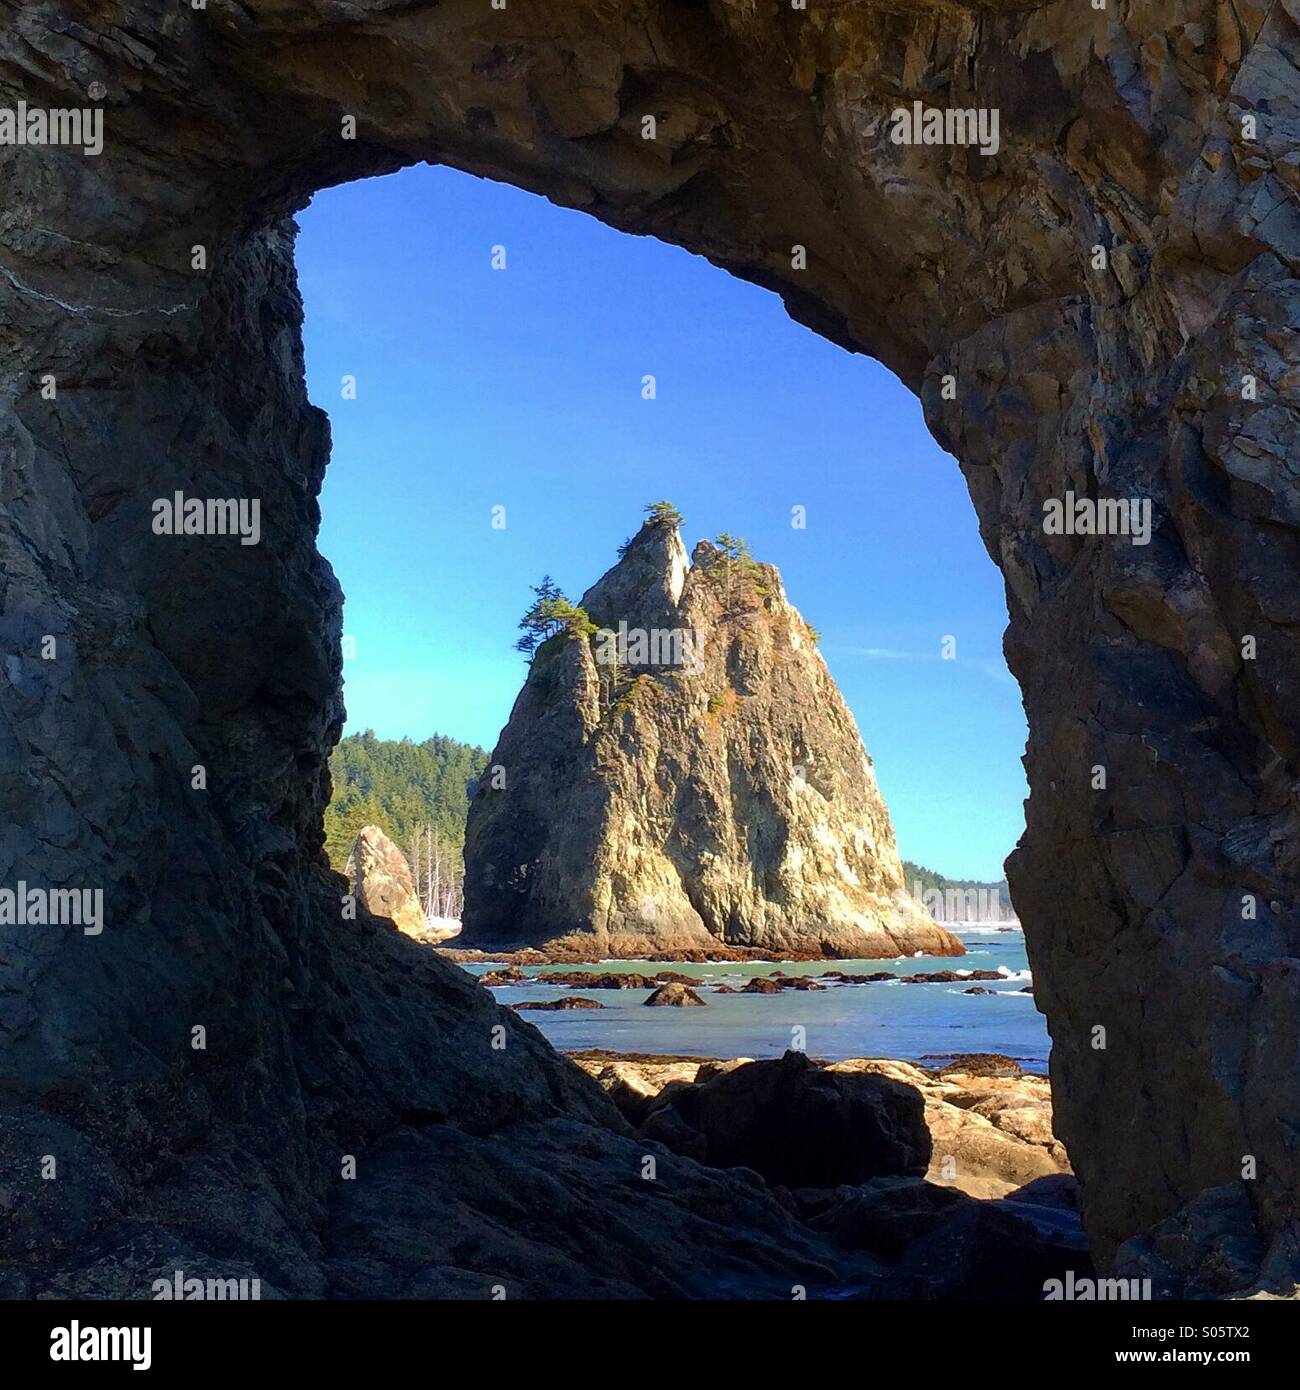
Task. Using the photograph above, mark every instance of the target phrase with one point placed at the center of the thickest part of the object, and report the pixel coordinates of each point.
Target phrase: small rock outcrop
(680, 772)
(511, 975)
(675, 995)
(384, 886)
(575, 1001)
(761, 987)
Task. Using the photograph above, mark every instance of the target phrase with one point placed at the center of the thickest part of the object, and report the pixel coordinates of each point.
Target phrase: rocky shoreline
(722, 955)
(775, 983)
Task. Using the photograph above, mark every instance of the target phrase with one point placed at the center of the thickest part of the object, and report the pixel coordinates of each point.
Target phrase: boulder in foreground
(796, 1124)
(985, 1127)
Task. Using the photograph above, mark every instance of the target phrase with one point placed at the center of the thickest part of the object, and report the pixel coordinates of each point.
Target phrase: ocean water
(883, 1019)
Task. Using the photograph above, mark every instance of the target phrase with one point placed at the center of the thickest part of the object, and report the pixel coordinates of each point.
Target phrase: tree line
(918, 880)
(418, 795)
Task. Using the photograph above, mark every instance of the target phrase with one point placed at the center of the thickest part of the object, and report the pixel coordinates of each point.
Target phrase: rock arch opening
(507, 383)
(1100, 309)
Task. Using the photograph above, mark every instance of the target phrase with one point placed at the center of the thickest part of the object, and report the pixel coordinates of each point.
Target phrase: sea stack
(680, 774)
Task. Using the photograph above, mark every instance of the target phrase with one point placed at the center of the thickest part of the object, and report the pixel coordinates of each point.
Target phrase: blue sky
(521, 388)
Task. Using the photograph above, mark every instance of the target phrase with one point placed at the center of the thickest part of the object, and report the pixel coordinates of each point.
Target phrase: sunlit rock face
(686, 778)
(384, 887)
(1105, 306)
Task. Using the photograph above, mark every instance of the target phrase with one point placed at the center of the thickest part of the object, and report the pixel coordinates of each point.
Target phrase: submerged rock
(610, 979)
(761, 987)
(950, 977)
(687, 776)
(568, 1001)
(511, 975)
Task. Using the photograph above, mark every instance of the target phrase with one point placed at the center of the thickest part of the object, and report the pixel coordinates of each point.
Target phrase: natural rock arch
(1120, 128)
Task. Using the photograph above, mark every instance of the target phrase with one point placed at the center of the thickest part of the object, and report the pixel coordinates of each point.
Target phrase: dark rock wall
(1121, 128)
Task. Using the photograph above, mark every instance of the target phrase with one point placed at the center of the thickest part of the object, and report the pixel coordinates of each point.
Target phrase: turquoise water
(873, 1020)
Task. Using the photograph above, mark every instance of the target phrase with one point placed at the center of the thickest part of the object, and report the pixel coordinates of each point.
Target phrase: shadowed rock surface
(795, 1123)
(542, 1190)
(1164, 908)
(708, 787)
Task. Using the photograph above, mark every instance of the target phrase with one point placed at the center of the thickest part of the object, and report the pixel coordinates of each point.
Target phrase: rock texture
(705, 786)
(1163, 907)
(384, 887)
(989, 1135)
